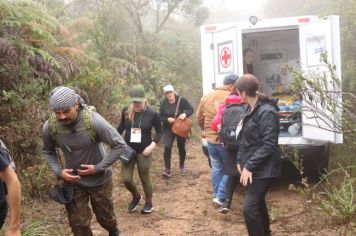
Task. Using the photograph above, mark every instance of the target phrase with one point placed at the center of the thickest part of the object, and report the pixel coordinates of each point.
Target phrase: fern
(6, 9)
(7, 50)
(30, 18)
(11, 23)
(123, 66)
(44, 54)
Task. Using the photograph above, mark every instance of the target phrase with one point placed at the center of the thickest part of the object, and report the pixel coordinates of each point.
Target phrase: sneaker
(147, 208)
(217, 201)
(167, 173)
(224, 209)
(182, 170)
(133, 204)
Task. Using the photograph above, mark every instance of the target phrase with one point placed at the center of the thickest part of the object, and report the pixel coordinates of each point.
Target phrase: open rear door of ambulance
(227, 53)
(318, 37)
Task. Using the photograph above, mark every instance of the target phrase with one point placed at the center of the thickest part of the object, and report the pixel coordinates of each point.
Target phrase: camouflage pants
(79, 213)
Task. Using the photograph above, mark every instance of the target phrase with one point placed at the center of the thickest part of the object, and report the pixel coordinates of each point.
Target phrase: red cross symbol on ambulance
(225, 57)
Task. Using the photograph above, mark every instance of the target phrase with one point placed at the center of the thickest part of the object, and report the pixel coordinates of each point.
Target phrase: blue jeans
(218, 177)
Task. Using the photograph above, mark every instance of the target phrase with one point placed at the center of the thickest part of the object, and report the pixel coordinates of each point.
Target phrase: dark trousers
(79, 212)
(231, 184)
(168, 143)
(233, 176)
(255, 208)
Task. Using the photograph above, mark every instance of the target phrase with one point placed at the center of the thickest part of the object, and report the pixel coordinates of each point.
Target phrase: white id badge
(135, 135)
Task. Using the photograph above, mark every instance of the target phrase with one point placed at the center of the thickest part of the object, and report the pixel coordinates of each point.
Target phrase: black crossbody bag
(127, 155)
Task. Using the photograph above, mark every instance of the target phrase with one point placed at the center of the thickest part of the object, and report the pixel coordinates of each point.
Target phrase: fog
(233, 10)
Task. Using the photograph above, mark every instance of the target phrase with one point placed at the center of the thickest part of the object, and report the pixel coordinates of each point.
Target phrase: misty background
(104, 47)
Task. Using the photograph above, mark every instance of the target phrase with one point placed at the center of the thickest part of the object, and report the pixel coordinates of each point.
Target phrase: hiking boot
(147, 208)
(167, 173)
(133, 204)
(114, 232)
(217, 201)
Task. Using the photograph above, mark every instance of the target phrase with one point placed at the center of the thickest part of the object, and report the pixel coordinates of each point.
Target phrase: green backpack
(55, 130)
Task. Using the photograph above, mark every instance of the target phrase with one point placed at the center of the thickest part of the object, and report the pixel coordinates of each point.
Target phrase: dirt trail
(183, 205)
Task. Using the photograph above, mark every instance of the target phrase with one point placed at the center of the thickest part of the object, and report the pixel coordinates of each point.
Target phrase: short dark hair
(249, 83)
(230, 79)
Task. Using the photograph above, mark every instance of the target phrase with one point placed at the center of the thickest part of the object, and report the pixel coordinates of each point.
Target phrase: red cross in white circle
(225, 57)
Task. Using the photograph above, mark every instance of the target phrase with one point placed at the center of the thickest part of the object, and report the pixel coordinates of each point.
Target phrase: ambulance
(278, 44)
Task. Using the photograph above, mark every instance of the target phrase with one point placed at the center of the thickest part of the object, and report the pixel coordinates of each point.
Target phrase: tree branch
(170, 9)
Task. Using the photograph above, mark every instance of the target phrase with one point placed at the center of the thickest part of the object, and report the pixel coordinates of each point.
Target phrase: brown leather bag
(181, 127)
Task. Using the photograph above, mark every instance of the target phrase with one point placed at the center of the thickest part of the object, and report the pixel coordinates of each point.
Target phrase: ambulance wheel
(315, 160)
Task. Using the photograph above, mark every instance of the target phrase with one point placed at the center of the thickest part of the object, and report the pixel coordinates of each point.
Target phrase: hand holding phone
(86, 169)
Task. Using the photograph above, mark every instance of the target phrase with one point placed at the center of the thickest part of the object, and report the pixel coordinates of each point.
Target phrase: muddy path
(183, 206)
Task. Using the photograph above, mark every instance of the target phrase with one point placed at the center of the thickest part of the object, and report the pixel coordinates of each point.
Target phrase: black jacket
(150, 119)
(258, 142)
(167, 110)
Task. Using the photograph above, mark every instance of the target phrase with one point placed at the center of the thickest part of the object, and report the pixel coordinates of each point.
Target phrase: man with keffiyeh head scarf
(87, 165)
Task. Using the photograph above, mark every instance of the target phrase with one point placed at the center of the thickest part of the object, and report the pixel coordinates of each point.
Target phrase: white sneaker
(217, 201)
(224, 210)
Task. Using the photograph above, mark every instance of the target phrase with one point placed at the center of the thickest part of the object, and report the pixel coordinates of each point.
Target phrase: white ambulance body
(292, 41)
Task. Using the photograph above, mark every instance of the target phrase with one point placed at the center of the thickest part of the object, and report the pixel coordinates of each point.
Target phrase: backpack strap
(55, 130)
(53, 126)
(88, 122)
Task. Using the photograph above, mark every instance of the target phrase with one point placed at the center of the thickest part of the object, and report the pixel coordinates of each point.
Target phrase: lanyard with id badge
(239, 126)
(136, 134)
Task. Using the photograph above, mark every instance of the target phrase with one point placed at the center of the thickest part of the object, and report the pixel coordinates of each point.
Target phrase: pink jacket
(218, 117)
(231, 99)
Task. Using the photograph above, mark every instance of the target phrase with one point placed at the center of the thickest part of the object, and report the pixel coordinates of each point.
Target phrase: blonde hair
(130, 114)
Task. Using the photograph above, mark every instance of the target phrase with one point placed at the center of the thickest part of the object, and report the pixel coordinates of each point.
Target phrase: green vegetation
(337, 188)
(94, 47)
(105, 47)
(336, 192)
(337, 195)
(100, 48)
(36, 228)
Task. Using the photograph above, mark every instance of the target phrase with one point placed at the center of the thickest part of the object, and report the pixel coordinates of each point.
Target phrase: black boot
(114, 232)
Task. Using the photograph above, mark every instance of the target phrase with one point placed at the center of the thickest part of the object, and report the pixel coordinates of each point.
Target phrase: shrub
(337, 194)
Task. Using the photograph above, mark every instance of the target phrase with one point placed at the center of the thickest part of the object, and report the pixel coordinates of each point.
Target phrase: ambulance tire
(315, 162)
